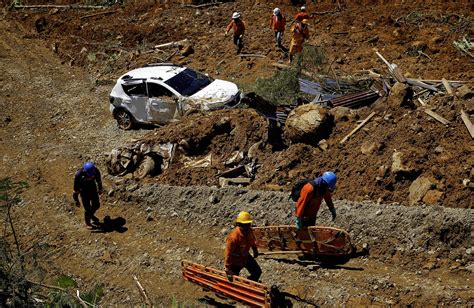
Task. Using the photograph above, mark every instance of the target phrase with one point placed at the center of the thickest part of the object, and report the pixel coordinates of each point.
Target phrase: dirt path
(53, 118)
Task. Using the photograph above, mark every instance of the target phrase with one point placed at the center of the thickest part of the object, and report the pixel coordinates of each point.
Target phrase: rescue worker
(311, 196)
(237, 255)
(300, 33)
(300, 16)
(238, 27)
(88, 184)
(277, 24)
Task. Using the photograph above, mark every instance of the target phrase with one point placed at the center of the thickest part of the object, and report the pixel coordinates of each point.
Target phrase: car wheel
(124, 119)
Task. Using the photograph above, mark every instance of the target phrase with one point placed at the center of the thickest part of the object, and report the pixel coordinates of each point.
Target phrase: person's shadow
(110, 225)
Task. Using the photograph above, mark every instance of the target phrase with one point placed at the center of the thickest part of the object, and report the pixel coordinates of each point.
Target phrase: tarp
(314, 88)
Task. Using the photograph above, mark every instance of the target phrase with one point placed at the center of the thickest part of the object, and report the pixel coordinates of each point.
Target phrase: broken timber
(393, 69)
(358, 127)
(142, 291)
(421, 84)
(467, 122)
(173, 44)
(243, 290)
(446, 85)
(436, 116)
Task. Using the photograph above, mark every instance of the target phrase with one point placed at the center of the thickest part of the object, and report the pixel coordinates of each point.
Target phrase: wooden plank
(436, 116)
(467, 122)
(358, 127)
(421, 84)
(446, 85)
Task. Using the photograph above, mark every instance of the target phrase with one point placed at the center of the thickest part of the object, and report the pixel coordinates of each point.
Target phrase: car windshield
(189, 82)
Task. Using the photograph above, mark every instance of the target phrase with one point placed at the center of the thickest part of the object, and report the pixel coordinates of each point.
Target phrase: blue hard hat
(330, 178)
(89, 168)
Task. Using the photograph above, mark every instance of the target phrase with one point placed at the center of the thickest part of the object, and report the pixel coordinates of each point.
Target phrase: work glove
(75, 197)
(333, 212)
(299, 223)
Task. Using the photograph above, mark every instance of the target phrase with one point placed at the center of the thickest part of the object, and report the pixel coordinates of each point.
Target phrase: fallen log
(357, 128)
(467, 123)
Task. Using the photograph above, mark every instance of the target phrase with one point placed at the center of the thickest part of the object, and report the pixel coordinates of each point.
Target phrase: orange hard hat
(244, 218)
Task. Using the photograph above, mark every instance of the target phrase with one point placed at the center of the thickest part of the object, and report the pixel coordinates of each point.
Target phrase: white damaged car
(162, 93)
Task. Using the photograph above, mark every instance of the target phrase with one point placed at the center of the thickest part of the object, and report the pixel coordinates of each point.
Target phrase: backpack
(296, 189)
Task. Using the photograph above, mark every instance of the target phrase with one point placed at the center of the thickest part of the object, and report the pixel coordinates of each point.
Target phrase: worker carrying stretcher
(237, 255)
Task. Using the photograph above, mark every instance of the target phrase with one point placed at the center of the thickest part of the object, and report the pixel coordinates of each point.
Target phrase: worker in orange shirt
(238, 27)
(300, 16)
(311, 197)
(300, 33)
(277, 24)
(237, 255)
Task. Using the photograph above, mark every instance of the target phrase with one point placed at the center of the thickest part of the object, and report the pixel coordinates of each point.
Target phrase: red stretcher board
(318, 240)
(243, 290)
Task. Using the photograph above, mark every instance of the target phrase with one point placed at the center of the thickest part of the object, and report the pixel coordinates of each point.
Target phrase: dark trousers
(90, 201)
(309, 222)
(239, 42)
(252, 267)
(278, 37)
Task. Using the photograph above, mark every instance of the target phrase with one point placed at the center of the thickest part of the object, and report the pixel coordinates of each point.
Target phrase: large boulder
(342, 114)
(308, 124)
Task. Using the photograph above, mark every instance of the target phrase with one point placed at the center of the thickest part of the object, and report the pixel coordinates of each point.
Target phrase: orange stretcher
(245, 291)
(318, 240)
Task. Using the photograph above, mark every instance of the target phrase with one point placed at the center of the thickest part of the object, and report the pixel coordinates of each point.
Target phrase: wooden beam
(436, 116)
(467, 122)
(446, 85)
(172, 44)
(421, 84)
(357, 128)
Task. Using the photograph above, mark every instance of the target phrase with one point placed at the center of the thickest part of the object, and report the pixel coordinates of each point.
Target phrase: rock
(323, 144)
(213, 199)
(419, 45)
(464, 92)
(132, 187)
(400, 163)
(369, 147)
(308, 124)
(439, 149)
(149, 217)
(433, 197)
(400, 96)
(313, 267)
(419, 188)
(187, 50)
(148, 209)
(342, 114)
(383, 171)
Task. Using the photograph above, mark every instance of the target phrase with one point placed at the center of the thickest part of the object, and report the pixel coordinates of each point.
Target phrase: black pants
(309, 222)
(90, 201)
(252, 266)
(239, 42)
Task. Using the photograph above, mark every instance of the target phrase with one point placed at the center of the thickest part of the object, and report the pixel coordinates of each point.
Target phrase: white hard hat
(303, 8)
(276, 11)
(236, 15)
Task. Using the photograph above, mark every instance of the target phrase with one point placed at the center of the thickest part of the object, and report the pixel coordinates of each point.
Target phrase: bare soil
(57, 72)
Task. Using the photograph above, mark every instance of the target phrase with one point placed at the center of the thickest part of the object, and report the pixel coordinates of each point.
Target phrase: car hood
(218, 91)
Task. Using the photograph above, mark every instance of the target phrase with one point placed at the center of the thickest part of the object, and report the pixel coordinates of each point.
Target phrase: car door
(163, 105)
(136, 104)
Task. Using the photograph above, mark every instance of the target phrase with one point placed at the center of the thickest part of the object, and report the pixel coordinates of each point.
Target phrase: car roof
(161, 72)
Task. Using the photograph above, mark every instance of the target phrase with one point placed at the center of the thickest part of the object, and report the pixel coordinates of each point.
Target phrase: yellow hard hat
(244, 218)
(305, 21)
